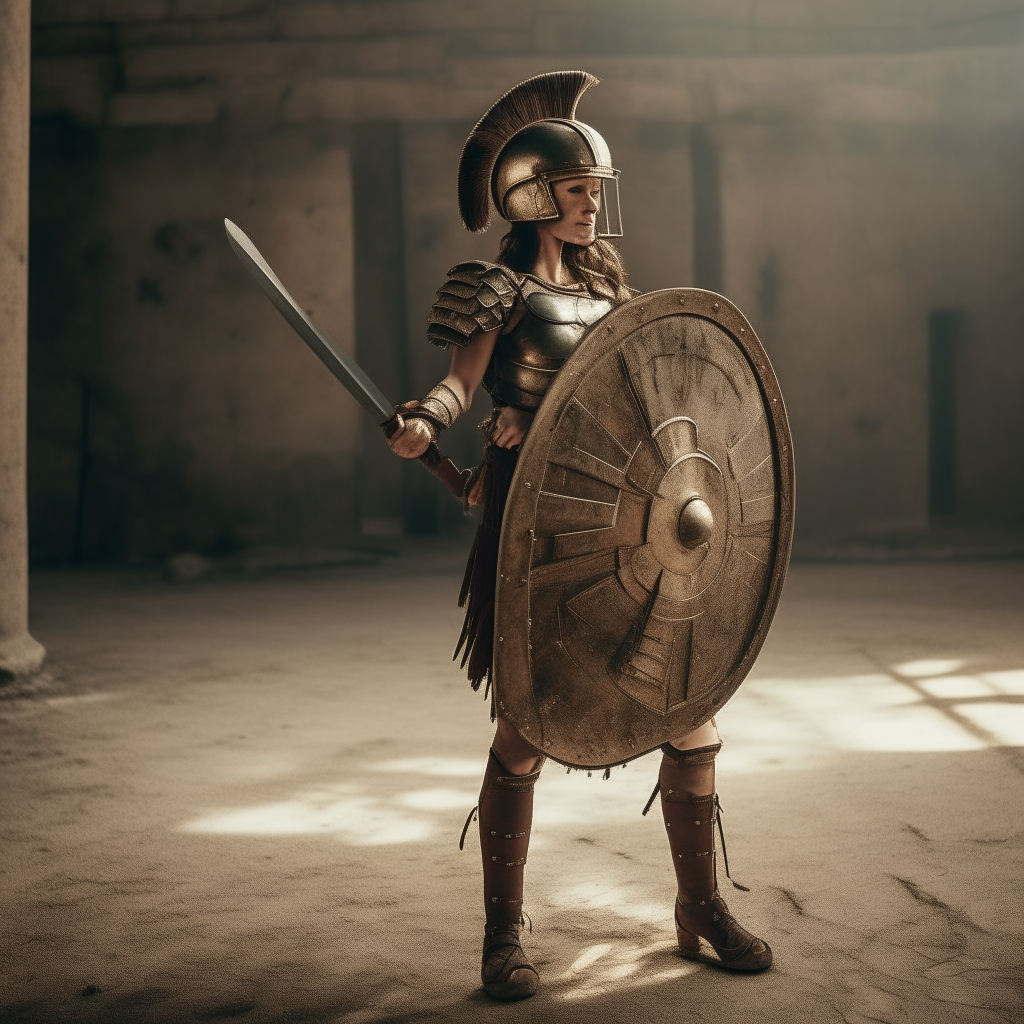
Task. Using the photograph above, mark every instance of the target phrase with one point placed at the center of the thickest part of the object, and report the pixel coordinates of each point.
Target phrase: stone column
(20, 654)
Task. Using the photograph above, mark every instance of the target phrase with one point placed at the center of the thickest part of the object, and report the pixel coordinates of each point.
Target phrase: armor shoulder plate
(476, 297)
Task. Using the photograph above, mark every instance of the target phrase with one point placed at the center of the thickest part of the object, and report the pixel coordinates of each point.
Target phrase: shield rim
(512, 596)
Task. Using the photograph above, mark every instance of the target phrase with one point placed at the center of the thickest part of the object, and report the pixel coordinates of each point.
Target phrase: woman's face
(579, 201)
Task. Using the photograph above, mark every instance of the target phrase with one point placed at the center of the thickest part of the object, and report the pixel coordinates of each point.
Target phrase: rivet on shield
(528, 484)
(682, 300)
(715, 306)
(501, 639)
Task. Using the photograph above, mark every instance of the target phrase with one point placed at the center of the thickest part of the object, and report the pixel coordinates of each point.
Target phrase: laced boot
(506, 815)
(705, 930)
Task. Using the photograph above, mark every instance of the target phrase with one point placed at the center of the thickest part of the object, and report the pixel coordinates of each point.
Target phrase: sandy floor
(241, 798)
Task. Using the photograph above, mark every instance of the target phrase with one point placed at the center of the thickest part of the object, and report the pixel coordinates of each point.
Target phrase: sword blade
(336, 359)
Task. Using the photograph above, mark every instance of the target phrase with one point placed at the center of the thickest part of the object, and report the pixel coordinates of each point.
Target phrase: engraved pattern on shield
(653, 539)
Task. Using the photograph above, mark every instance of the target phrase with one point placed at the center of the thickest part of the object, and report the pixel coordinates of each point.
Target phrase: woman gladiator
(510, 325)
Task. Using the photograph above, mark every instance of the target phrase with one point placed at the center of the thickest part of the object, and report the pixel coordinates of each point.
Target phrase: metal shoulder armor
(476, 297)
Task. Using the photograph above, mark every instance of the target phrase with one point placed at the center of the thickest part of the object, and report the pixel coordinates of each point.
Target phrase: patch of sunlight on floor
(81, 698)
(869, 712)
(928, 667)
(437, 799)
(606, 968)
(606, 986)
(574, 799)
(1005, 722)
(622, 971)
(589, 956)
(918, 728)
(1006, 682)
(953, 687)
(454, 767)
(355, 819)
(775, 723)
(622, 900)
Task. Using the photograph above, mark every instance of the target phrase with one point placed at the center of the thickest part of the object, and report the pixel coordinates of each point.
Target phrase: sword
(336, 359)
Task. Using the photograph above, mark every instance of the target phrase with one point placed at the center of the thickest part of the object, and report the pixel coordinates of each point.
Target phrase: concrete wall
(171, 406)
(840, 239)
(840, 170)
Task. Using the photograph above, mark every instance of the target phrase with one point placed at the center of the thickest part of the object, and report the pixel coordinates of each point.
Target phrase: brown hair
(599, 265)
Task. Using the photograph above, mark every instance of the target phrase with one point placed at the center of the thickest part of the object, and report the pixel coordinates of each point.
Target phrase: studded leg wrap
(705, 929)
(506, 817)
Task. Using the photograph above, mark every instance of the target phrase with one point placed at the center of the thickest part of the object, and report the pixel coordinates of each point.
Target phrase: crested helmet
(529, 139)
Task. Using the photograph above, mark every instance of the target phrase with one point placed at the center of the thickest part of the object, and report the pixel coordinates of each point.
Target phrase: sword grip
(445, 470)
(439, 464)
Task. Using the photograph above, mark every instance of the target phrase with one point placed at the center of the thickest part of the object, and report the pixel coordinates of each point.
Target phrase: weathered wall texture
(841, 170)
(840, 239)
(179, 414)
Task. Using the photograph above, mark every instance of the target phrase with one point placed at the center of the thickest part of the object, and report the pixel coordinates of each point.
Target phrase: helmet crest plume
(553, 95)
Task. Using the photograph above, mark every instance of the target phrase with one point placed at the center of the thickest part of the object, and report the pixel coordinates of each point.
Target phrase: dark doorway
(945, 340)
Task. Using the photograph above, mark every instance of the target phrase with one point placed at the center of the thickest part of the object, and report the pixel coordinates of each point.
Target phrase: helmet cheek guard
(530, 200)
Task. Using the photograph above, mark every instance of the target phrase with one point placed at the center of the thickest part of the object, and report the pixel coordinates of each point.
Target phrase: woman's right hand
(412, 438)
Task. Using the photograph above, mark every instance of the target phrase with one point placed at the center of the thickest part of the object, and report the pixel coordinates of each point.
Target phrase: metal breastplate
(526, 359)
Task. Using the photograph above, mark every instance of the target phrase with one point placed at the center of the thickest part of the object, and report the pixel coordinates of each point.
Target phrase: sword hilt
(445, 470)
(436, 461)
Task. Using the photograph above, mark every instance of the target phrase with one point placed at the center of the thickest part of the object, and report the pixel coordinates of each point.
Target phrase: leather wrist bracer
(439, 409)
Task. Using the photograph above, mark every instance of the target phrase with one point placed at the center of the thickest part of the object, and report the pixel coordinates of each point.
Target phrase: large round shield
(647, 532)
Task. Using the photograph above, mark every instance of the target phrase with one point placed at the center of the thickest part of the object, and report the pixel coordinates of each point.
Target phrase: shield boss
(647, 532)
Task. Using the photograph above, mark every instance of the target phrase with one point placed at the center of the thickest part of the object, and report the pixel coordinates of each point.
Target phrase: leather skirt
(476, 643)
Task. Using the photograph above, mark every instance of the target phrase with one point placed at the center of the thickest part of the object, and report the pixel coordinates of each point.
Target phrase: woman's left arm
(464, 377)
(469, 365)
